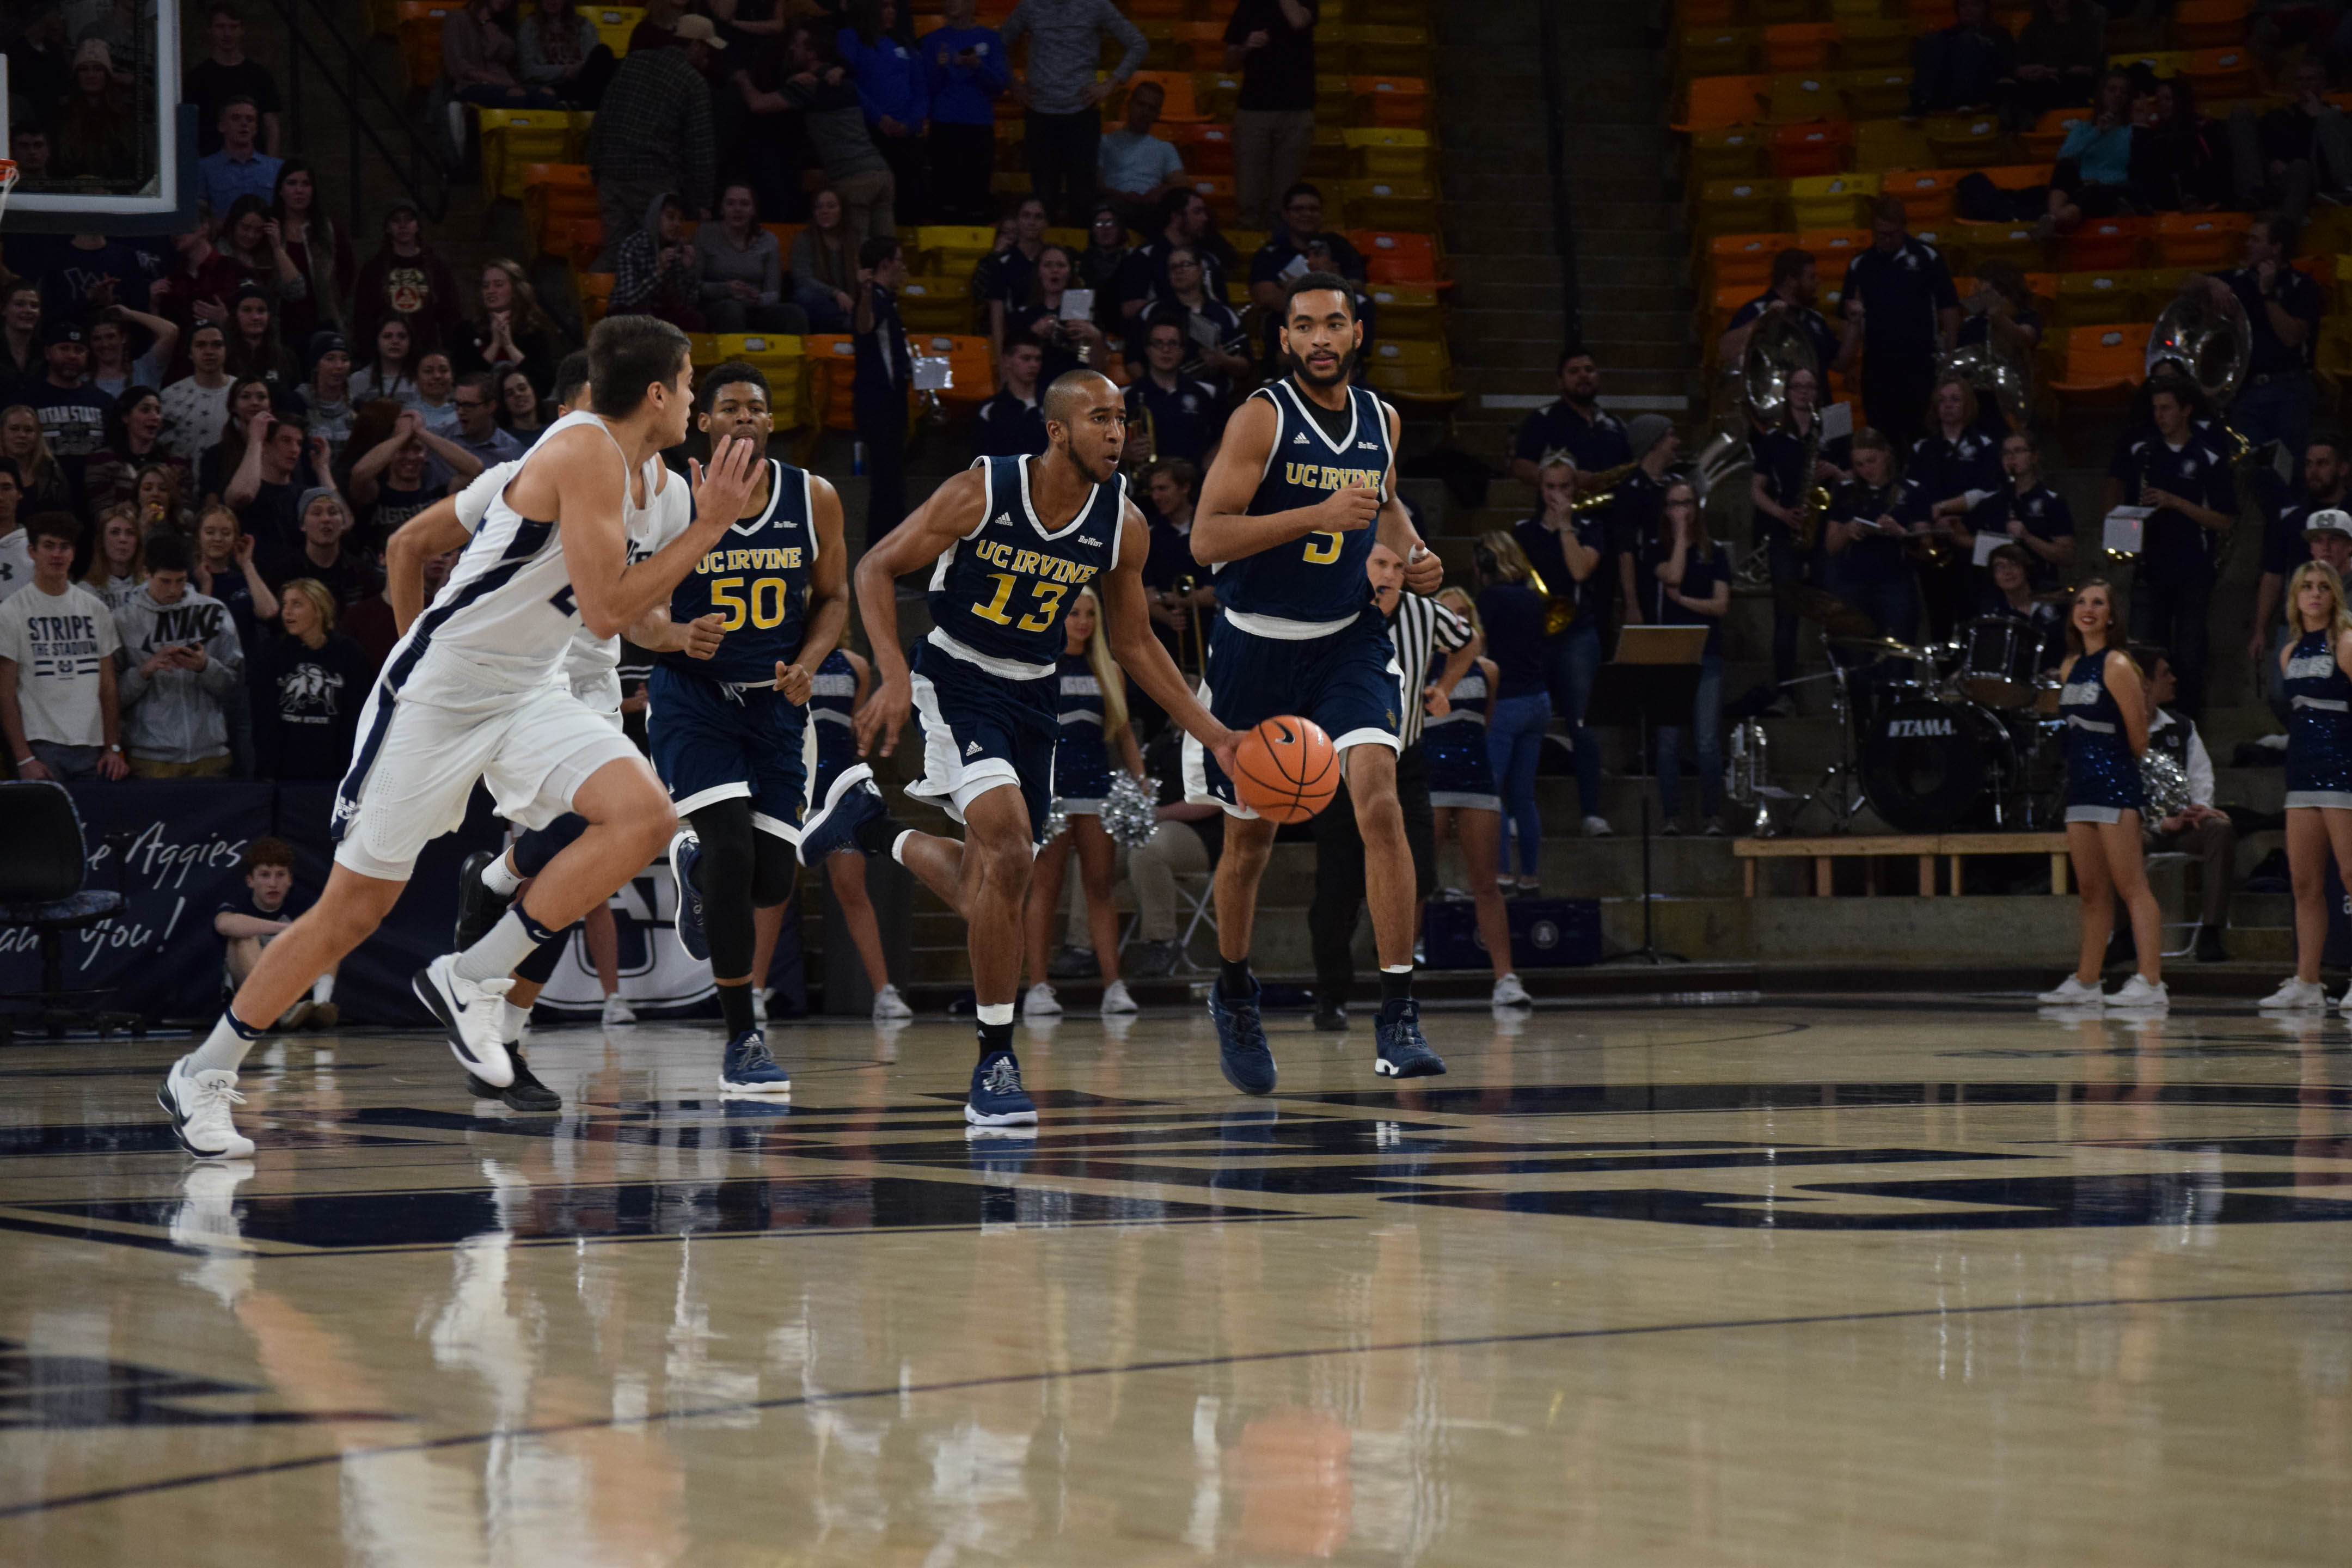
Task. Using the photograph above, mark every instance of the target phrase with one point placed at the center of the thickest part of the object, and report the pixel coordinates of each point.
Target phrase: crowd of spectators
(206, 439)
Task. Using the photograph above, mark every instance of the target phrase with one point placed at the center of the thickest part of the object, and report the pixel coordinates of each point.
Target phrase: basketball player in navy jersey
(1300, 491)
(727, 730)
(1009, 540)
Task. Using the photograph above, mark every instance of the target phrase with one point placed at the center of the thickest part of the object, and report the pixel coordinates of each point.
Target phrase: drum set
(1961, 734)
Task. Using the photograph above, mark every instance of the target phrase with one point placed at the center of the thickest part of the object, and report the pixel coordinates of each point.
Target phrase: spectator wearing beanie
(653, 133)
(179, 658)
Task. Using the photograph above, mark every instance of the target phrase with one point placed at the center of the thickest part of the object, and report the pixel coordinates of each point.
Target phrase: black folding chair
(44, 864)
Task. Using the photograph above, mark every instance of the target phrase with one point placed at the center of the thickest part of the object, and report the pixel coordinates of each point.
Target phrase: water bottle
(858, 458)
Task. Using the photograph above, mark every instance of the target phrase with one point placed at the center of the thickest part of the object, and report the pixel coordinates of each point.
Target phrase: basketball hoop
(7, 180)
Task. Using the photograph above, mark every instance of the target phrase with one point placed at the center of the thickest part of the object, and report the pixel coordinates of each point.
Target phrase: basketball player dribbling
(1301, 490)
(473, 692)
(1010, 541)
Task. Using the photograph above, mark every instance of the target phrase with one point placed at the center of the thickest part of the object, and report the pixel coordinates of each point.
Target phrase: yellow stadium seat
(614, 24)
(1964, 140)
(935, 304)
(1876, 44)
(952, 250)
(1874, 94)
(1386, 203)
(1832, 201)
(1389, 153)
(1387, 51)
(2163, 62)
(1800, 47)
(1714, 51)
(1730, 153)
(1408, 310)
(1977, 243)
(1882, 144)
(1737, 206)
(513, 139)
(1804, 96)
(1412, 369)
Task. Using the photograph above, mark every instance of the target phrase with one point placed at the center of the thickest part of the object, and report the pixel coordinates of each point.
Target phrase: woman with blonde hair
(1462, 796)
(118, 556)
(1569, 551)
(1519, 702)
(2105, 710)
(2318, 669)
(1093, 723)
(307, 689)
(513, 331)
(39, 475)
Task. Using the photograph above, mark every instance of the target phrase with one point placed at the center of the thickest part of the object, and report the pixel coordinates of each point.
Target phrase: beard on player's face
(1094, 464)
(1298, 367)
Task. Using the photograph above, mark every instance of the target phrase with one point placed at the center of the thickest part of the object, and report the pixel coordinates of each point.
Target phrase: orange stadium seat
(420, 38)
(1712, 101)
(1396, 257)
(2210, 23)
(1800, 47)
(1707, 13)
(1816, 147)
(831, 366)
(2049, 133)
(596, 291)
(2109, 244)
(1833, 247)
(2201, 239)
(1771, 13)
(1926, 193)
(1731, 152)
(1744, 260)
(2101, 362)
(556, 194)
(972, 374)
(1388, 100)
(2219, 75)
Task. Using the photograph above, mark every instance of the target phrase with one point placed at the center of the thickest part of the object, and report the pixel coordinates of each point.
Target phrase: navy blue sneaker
(750, 1070)
(685, 851)
(997, 1098)
(1402, 1052)
(851, 801)
(1243, 1055)
(479, 909)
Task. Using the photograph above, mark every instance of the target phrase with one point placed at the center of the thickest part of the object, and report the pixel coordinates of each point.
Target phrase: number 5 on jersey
(1322, 554)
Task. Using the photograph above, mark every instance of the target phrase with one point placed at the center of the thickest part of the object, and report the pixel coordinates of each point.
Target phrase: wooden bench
(1925, 848)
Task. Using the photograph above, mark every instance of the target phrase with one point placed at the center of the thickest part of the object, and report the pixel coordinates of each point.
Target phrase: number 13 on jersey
(1048, 595)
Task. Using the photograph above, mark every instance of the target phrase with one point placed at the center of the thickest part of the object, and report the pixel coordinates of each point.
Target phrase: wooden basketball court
(1913, 1281)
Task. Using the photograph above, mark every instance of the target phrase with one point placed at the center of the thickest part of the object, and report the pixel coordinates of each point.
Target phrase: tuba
(2000, 367)
(2212, 343)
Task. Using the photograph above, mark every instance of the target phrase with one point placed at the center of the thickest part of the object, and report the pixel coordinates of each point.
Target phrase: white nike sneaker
(2073, 993)
(2295, 994)
(198, 1104)
(888, 1005)
(1115, 1000)
(2141, 992)
(469, 1013)
(1510, 992)
(1598, 828)
(618, 1011)
(1041, 1002)
(2346, 1004)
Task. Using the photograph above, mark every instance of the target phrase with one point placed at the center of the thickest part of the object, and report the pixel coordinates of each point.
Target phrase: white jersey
(505, 621)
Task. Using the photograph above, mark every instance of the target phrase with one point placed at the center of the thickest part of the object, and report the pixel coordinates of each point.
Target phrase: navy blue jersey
(1320, 578)
(2101, 770)
(756, 580)
(833, 698)
(2319, 723)
(1001, 592)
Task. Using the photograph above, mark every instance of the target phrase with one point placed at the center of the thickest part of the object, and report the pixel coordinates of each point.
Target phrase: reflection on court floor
(1642, 1284)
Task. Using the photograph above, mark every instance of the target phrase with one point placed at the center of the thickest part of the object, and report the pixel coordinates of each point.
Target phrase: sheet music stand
(1653, 681)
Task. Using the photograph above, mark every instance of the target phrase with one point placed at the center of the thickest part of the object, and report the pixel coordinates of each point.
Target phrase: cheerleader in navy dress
(839, 685)
(2318, 768)
(1091, 703)
(1464, 801)
(2105, 704)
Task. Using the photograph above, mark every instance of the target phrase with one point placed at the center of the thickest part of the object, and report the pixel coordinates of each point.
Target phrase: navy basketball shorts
(711, 742)
(982, 731)
(1349, 683)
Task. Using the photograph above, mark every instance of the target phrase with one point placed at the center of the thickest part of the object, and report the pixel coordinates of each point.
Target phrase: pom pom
(1130, 809)
(1056, 820)
(2166, 786)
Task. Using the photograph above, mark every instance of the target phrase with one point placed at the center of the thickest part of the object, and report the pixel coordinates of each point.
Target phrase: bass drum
(1929, 766)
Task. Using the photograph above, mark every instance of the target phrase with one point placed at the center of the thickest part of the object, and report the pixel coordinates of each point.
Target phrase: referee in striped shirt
(1420, 628)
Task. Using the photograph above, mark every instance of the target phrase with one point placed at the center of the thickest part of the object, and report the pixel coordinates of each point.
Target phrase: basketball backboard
(90, 90)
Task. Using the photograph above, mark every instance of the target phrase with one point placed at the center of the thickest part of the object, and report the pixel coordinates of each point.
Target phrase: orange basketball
(1287, 769)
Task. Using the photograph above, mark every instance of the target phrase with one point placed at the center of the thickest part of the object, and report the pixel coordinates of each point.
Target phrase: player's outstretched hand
(1424, 572)
(885, 714)
(1346, 510)
(793, 682)
(702, 636)
(723, 490)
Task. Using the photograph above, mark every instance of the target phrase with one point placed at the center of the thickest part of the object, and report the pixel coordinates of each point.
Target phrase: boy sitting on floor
(248, 924)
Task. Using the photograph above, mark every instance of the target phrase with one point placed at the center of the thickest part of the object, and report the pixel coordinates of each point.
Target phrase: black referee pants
(1339, 872)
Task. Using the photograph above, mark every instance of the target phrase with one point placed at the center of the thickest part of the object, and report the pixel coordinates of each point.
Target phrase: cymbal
(1885, 647)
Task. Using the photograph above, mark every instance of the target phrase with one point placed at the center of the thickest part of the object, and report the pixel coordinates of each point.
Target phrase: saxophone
(1807, 526)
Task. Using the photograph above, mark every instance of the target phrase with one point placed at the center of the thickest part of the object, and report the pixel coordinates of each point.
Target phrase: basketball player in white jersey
(471, 692)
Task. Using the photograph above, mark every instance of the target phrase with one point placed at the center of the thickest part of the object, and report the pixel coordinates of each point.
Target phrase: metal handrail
(419, 167)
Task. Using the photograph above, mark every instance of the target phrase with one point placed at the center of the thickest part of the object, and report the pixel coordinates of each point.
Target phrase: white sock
(225, 1048)
(504, 945)
(996, 1013)
(1396, 968)
(500, 877)
(323, 988)
(899, 847)
(511, 1020)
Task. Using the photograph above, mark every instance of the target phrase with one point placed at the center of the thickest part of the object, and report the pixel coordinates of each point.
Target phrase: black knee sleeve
(539, 967)
(535, 849)
(727, 872)
(775, 870)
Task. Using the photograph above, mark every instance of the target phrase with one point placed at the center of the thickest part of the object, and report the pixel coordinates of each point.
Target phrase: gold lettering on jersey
(1021, 562)
(786, 558)
(1323, 477)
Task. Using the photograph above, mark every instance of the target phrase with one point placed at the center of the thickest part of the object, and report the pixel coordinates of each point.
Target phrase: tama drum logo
(1907, 729)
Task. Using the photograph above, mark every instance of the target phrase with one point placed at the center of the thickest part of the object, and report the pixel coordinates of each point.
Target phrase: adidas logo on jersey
(972, 749)
(1300, 439)
(1003, 519)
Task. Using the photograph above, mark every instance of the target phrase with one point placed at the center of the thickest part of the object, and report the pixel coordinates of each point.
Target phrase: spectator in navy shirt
(1686, 581)
(1955, 470)
(2185, 475)
(1782, 493)
(1011, 422)
(886, 369)
(2036, 518)
(1290, 250)
(2283, 306)
(1796, 281)
(1573, 424)
(1520, 706)
(73, 412)
(965, 72)
(1571, 551)
(1185, 417)
(1866, 556)
(1899, 296)
(1183, 220)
